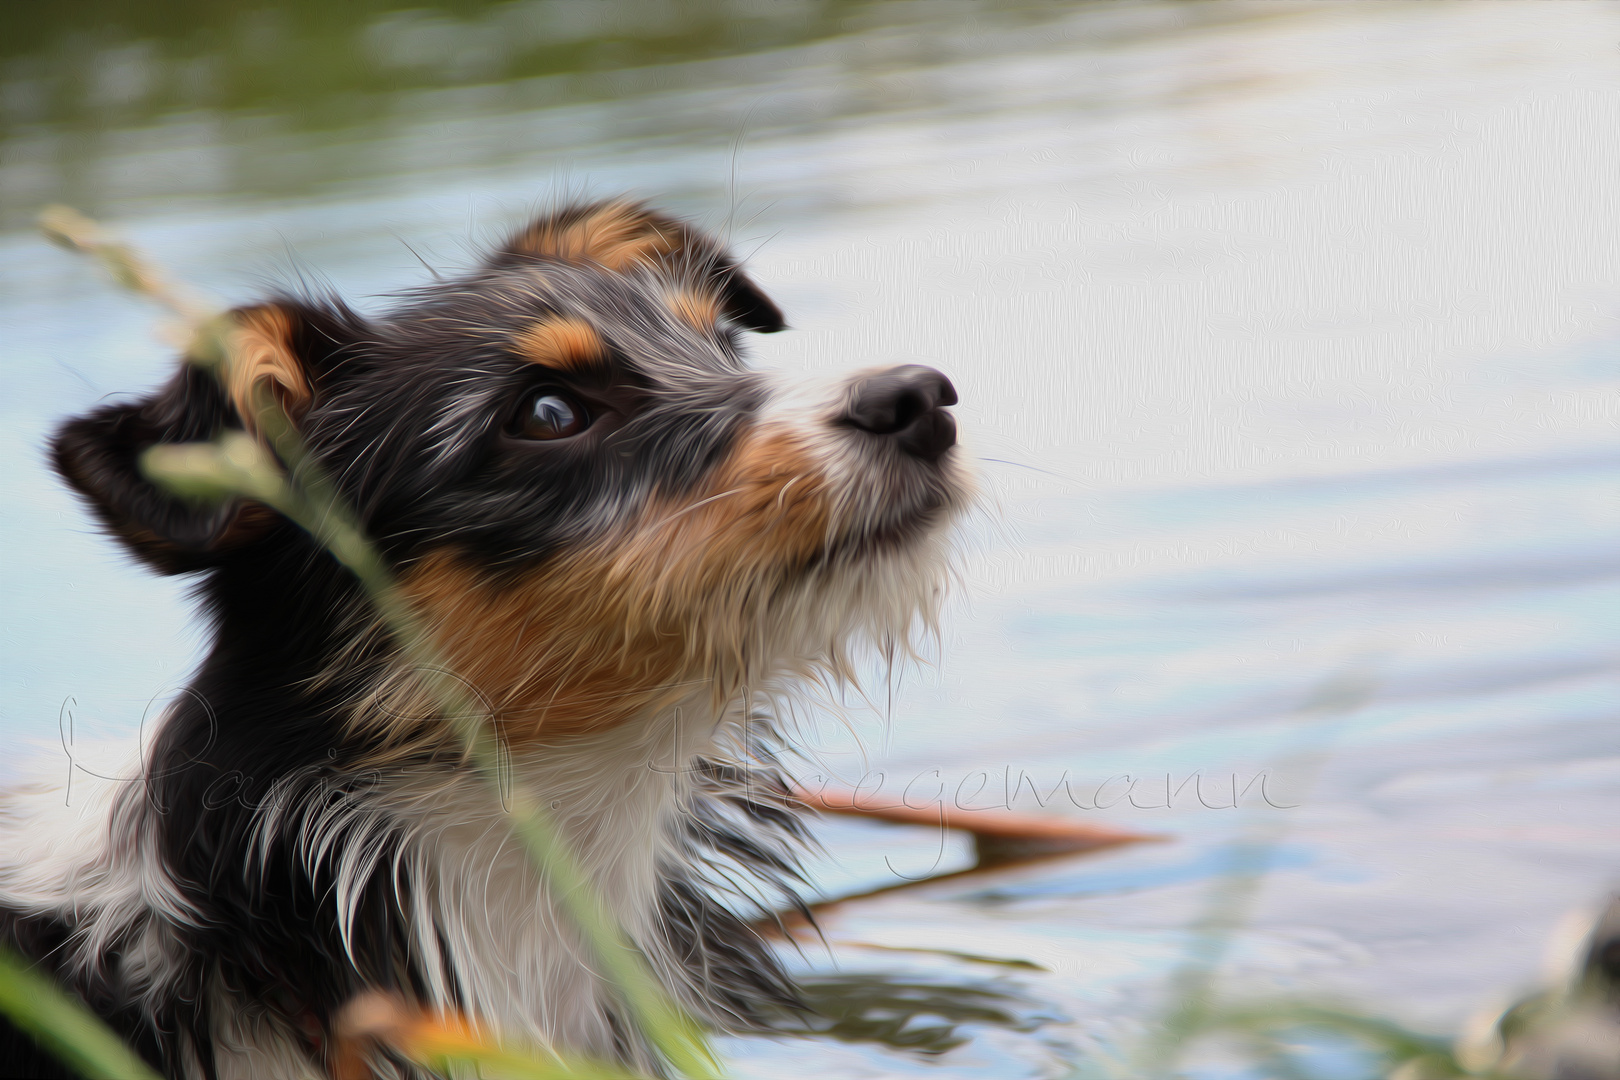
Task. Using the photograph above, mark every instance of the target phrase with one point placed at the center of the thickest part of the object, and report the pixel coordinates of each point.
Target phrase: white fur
(94, 856)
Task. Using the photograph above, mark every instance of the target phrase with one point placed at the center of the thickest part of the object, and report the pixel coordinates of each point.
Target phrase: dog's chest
(489, 935)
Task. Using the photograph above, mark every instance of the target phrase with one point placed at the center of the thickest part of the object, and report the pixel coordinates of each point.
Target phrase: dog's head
(589, 496)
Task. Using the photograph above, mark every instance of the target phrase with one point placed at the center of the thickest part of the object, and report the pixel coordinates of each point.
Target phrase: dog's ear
(622, 236)
(295, 347)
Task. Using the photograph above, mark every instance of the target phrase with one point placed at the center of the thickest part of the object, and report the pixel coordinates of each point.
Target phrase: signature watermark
(1005, 789)
(1009, 789)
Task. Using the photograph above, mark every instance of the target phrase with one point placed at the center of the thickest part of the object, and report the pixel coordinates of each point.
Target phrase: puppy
(625, 544)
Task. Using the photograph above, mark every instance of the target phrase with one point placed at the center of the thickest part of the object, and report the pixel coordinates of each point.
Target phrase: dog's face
(592, 500)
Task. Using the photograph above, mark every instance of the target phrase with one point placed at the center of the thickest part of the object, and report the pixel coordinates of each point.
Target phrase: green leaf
(63, 1026)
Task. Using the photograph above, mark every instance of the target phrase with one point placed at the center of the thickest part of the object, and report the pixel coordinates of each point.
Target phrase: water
(1287, 339)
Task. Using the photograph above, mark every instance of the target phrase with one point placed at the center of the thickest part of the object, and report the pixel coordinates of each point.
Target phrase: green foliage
(63, 1025)
(96, 64)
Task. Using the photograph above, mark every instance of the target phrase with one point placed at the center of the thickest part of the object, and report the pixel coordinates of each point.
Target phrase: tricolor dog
(625, 543)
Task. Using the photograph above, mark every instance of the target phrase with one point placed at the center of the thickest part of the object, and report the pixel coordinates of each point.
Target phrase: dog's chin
(914, 531)
(910, 524)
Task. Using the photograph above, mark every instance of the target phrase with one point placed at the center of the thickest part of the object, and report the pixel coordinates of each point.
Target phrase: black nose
(907, 403)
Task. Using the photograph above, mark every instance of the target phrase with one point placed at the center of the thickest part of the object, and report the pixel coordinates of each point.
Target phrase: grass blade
(63, 1026)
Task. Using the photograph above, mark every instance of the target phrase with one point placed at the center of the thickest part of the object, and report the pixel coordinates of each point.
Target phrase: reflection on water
(907, 1015)
(1287, 341)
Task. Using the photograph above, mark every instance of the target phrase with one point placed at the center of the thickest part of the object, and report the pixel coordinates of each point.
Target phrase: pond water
(1288, 337)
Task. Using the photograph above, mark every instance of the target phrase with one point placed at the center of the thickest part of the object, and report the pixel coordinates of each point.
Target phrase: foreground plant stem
(63, 1026)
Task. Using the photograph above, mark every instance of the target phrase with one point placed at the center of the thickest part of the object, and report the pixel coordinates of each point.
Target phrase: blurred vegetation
(101, 64)
(103, 101)
(62, 1025)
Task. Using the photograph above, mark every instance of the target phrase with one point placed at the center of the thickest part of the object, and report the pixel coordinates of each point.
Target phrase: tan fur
(633, 623)
(699, 310)
(260, 354)
(561, 342)
(618, 236)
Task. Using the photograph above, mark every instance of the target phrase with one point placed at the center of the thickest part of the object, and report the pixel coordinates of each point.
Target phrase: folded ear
(294, 347)
(623, 236)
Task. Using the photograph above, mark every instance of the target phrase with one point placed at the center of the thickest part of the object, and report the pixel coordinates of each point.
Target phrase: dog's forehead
(573, 319)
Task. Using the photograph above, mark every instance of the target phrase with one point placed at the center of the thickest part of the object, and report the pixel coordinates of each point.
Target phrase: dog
(629, 547)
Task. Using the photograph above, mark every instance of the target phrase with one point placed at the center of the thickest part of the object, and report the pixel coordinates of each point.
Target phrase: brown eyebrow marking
(616, 236)
(561, 342)
(701, 310)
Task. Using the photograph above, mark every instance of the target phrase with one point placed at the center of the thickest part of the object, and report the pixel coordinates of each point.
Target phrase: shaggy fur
(625, 543)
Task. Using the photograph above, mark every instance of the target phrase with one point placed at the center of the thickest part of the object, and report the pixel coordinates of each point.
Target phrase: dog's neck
(494, 938)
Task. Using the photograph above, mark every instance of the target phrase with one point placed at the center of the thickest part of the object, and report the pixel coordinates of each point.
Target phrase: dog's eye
(553, 416)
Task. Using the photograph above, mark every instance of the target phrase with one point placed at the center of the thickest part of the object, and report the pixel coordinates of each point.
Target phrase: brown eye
(552, 416)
